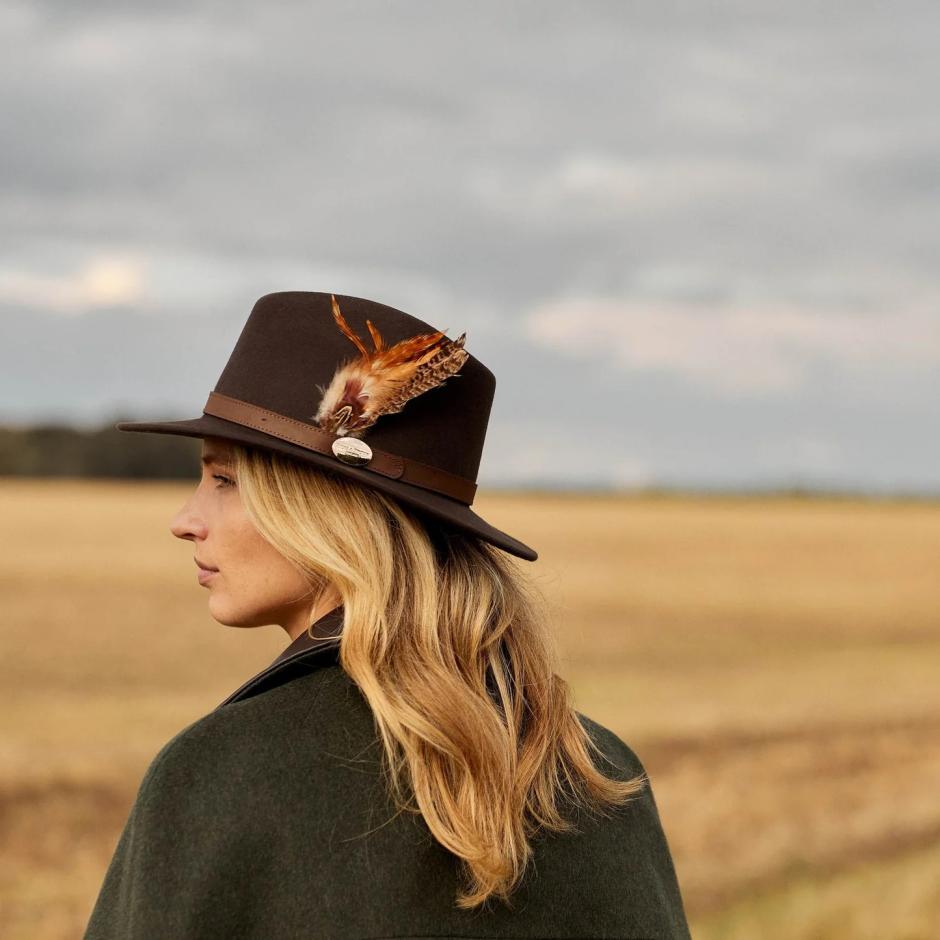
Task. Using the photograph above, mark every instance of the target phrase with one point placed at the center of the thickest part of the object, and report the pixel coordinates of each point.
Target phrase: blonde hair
(448, 641)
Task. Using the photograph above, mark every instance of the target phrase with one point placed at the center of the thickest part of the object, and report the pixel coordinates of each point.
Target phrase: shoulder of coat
(249, 728)
(613, 748)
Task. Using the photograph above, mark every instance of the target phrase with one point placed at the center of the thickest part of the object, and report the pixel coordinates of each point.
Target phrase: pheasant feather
(384, 380)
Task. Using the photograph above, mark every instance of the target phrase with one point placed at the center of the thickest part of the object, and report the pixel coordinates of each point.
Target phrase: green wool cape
(268, 818)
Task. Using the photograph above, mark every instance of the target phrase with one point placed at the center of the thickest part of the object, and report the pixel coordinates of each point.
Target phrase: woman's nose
(187, 524)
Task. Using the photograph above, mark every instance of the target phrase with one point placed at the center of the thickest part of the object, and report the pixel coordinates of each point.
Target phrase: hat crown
(291, 346)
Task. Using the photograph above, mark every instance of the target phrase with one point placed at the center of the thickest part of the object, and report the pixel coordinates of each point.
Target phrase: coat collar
(296, 659)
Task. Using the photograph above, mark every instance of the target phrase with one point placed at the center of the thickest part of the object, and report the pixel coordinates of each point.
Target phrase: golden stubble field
(774, 662)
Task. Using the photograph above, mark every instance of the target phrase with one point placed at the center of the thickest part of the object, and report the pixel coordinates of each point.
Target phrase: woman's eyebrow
(213, 459)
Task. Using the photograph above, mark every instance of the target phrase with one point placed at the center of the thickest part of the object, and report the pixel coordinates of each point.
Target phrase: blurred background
(700, 239)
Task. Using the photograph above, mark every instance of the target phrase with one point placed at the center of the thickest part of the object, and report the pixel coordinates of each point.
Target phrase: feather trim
(383, 381)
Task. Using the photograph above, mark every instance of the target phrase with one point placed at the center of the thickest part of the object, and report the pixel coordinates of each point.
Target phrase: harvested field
(774, 663)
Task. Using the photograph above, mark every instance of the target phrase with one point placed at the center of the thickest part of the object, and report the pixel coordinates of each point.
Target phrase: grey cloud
(476, 162)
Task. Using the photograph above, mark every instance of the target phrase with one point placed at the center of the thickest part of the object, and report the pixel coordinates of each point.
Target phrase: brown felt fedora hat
(361, 389)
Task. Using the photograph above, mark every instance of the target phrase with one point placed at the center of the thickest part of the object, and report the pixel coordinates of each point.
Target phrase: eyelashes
(226, 481)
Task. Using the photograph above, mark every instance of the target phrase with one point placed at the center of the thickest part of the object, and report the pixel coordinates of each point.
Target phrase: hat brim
(442, 507)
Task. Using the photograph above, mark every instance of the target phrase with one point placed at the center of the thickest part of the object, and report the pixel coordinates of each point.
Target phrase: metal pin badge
(352, 451)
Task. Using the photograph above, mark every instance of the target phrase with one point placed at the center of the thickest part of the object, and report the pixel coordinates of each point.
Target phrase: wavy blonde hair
(448, 641)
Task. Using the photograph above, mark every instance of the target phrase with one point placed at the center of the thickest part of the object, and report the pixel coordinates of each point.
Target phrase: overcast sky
(697, 243)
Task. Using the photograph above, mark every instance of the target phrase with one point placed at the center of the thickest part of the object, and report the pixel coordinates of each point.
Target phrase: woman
(411, 765)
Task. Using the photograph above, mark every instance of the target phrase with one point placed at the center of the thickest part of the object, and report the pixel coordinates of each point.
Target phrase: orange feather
(385, 380)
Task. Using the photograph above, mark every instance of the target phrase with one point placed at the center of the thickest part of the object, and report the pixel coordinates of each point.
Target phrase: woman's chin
(229, 615)
(222, 612)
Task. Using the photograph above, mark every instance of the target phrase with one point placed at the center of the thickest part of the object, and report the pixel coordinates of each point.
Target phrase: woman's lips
(204, 574)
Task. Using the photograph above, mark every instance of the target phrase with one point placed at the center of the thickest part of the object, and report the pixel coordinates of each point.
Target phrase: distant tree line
(58, 450)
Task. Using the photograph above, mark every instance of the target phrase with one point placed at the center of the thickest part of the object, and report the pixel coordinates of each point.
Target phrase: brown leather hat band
(316, 439)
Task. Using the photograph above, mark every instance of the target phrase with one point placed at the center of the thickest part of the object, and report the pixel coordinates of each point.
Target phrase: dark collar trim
(330, 625)
(295, 660)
